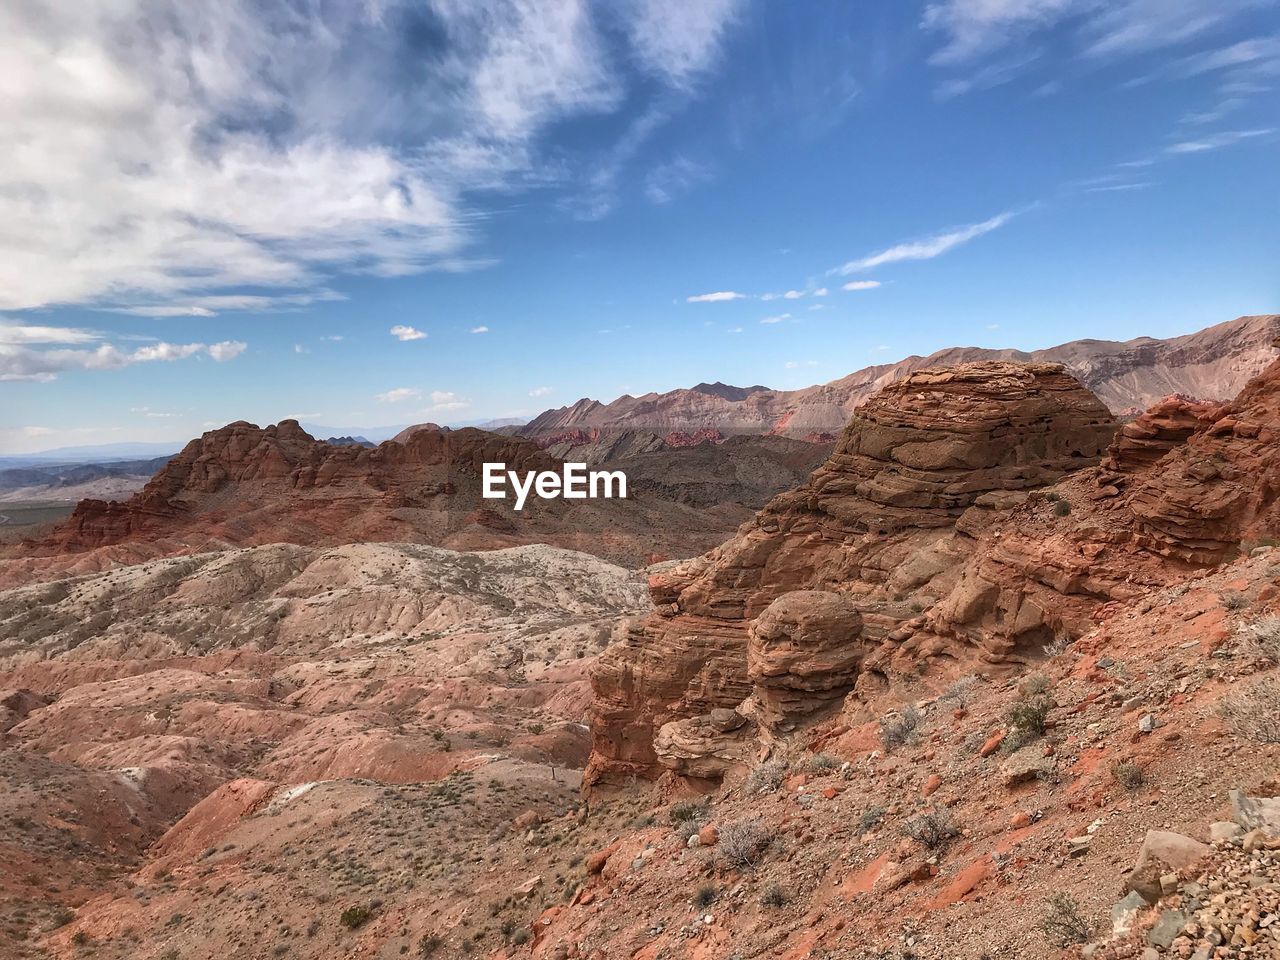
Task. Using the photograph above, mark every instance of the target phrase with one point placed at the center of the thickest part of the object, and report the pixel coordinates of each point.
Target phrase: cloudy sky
(390, 211)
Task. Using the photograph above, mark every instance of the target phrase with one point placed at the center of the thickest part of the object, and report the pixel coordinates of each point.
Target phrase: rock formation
(1127, 376)
(875, 522)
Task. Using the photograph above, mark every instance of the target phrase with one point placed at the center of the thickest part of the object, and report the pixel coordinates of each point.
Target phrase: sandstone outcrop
(876, 522)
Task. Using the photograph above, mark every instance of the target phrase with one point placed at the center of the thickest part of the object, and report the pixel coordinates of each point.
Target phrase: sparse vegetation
(767, 777)
(1255, 713)
(822, 763)
(961, 691)
(429, 944)
(742, 843)
(1061, 508)
(1262, 639)
(1062, 922)
(871, 819)
(1027, 720)
(1235, 602)
(773, 896)
(933, 830)
(899, 728)
(705, 896)
(355, 916)
(1128, 775)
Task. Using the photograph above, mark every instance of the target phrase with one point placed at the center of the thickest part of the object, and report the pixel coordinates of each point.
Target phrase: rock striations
(969, 517)
(875, 522)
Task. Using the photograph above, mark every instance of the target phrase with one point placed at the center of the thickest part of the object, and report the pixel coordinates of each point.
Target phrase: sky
(395, 211)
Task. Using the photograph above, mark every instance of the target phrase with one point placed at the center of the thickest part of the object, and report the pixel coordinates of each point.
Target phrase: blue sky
(451, 211)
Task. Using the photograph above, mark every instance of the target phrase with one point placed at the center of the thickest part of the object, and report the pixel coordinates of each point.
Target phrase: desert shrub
(742, 843)
(1262, 639)
(899, 728)
(1062, 922)
(705, 896)
(933, 830)
(1255, 713)
(1053, 496)
(773, 896)
(1128, 775)
(767, 777)
(355, 916)
(961, 692)
(1027, 718)
(822, 763)
(1034, 685)
(1235, 601)
(1061, 508)
(687, 810)
(871, 818)
(80, 938)
(521, 937)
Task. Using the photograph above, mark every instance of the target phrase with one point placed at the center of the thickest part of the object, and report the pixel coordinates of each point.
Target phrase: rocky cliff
(970, 517)
(876, 522)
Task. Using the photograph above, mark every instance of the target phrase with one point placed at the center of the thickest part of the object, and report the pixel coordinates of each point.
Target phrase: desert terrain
(992, 673)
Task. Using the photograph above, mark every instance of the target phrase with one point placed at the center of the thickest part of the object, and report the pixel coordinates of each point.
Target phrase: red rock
(992, 744)
(931, 785)
(1020, 820)
(708, 836)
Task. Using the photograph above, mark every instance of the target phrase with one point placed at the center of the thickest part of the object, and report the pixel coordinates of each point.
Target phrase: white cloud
(21, 333)
(334, 338)
(22, 363)
(720, 296)
(927, 248)
(734, 330)
(820, 292)
(399, 394)
(679, 41)
(171, 151)
(446, 401)
(480, 329)
(796, 364)
(299, 348)
(539, 391)
(778, 319)
(401, 332)
(1216, 141)
(668, 180)
(976, 28)
(792, 295)
(861, 285)
(226, 350)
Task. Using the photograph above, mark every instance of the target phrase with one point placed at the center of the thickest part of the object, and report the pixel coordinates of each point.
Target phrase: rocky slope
(1127, 376)
(161, 690)
(968, 513)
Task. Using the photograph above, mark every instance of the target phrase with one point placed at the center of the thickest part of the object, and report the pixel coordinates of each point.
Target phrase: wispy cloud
(1216, 141)
(720, 296)
(480, 329)
(540, 391)
(405, 333)
(28, 333)
(23, 363)
(860, 285)
(926, 248)
(446, 401)
(399, 395)
(671, 179)
(780, 318)
(172, 151)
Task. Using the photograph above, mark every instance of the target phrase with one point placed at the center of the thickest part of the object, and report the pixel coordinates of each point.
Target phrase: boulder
(1162, 852)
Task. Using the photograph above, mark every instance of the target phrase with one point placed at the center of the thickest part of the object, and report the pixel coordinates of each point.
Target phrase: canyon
(904, 692)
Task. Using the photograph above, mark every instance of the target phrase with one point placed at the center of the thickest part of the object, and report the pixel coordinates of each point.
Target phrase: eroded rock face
(803, 654)
(876, 522)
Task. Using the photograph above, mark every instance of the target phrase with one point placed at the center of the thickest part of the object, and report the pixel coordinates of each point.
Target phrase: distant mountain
(1127, 376)
(350, 442)
(102, 453)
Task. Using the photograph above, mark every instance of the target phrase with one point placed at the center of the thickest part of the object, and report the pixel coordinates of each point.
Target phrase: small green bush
(355, 916)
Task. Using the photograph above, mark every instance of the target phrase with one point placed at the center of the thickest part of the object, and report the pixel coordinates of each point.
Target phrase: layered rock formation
(1127, 376)
(249, 485)
(876, 522)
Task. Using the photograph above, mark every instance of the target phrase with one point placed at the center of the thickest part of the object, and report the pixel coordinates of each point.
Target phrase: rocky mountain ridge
(1128, 377)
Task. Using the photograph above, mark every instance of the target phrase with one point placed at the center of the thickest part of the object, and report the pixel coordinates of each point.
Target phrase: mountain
(76, 481)
(246, 485)
(1127, 376)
